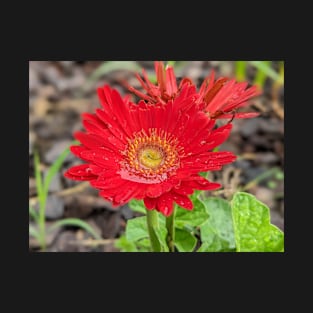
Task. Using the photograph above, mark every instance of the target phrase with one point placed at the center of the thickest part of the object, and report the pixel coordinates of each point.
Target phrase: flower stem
(153, 225)
(170, 238)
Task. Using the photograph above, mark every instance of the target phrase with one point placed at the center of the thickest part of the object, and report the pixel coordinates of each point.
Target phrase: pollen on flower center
(153, 155)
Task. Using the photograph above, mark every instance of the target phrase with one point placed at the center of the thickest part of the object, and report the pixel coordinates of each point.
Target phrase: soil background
(59, 91)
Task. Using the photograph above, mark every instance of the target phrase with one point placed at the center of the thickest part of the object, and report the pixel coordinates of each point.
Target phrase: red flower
(147, 151)
(166, 89)
(220, 98)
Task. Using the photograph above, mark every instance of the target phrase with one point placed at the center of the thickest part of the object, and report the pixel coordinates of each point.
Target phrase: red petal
(108, 182)
(102, 157)
(183, 201)
(77, 150)
(219, 135)
(209, 161)
(165, 204)
(150, 203)
(183, 190)
(155, 190)
(126, 193)
(171, 84)
(97, 170)
(203, 184)
(80, 172)
(89, 140)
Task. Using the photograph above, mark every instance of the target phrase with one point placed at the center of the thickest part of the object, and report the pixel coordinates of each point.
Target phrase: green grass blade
(33, 232)
(110, 66)
(33, 214)
(261, 75)
(75, 222)
(267, 69)
(55, 167)
(38, 178)
(268, 173)
(240, 70)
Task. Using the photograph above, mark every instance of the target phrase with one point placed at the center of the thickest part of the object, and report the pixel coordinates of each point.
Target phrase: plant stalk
(170, 238)
(42, 223)
(153, 225)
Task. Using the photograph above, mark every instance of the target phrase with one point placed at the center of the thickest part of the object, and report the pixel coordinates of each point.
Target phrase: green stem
(153, 225)
(170, 238)
(42, 224)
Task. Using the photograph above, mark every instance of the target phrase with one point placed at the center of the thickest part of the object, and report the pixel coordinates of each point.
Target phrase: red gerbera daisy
(152, 152)
(220, 98)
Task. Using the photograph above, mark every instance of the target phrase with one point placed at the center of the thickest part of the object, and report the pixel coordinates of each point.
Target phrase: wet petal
(102, 157)
(182, 201)
(183, 190)
(165, 204)
(108, 182)
(80, 172)
(202, 184)
(150, 203)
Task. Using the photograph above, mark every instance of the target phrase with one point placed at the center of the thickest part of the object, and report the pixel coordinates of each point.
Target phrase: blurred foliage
(264, 70)
(42, 186)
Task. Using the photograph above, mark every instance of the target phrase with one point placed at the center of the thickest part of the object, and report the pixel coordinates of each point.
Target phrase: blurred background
(69, 216)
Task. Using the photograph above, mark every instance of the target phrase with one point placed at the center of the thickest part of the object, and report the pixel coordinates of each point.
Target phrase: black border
(179, 43)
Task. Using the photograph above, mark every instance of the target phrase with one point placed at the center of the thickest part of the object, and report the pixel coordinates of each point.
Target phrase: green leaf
(143, 245)
(184, 240)
(195, 217)
(216, 246)
(137, 229)
(217, 233)
(75, 222)
(125, 245)
(137, 206)
(253, 230)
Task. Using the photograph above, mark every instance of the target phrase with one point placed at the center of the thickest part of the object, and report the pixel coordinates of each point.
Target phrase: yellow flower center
(151, 157)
